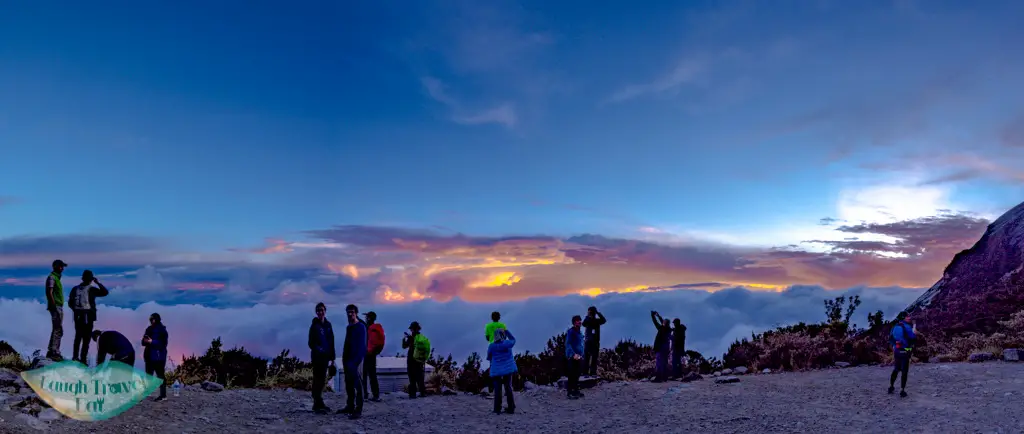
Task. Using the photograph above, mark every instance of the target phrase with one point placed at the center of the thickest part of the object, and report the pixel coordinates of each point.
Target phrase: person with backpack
(82, 302)
(321, 348)
(374, 346)
(55, 305)
(902, 338)
(352, 355)
(592, 346)
(503, 365)
(573, 358)
(416, 360)
(155, 354)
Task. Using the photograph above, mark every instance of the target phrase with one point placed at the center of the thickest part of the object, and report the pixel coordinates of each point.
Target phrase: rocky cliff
(993, 262)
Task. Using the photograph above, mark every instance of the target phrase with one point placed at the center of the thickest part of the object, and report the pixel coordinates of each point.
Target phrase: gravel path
(948, 398)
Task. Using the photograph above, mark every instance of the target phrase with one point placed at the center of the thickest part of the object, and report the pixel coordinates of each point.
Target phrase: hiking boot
(891, 390)
(579, 394)
(573, 396)
(322, 410)
(903, 394)
(160, 398)
(374, 399)
(510, 410)
(346, 410)
(56, 357)
(497, 412)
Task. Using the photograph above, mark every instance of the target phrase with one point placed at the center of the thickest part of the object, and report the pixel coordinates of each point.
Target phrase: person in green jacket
(416, 360)
(55, 305)
(489, 329)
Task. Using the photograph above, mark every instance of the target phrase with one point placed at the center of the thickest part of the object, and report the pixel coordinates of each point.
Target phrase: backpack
(421, 348)
(906, 337)
(79, 299)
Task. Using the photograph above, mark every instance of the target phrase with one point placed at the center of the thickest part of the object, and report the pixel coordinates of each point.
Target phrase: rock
(267, 416)
(210, 386)
(766, 371)
(842, 365)
(32, 422)
(1011, 355)
(693, 376)
(529, 386)
(11, 379)
(979, 357)
(934, 359)
(717, 374)
(447, 392)
(726, 380)
(49, 415)
(740, 370)
(727, 371)
(584, 384)
(40, 363)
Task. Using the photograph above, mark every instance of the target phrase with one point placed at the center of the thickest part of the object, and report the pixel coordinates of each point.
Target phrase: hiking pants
(677, 363)
(354, 388)
(319, 379)
(900, 363)
(499, 383)
(56, 330)
(661, 364)
(157, 368)
(591, 349)
(572, 376)
(83, 335)
(370, 376)
(417, 382)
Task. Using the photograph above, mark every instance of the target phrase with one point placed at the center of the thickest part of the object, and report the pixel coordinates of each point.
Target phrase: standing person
(489, 334)
(116, 345)
(573, 358)
(155, 354)
(661, 346)
(82, 302)
(503, 365)
(321, 347)
(55, 305)
(592, 323)
(678, 347)
(352, 356)
(374, 346)
(419, 352)
(902, 339)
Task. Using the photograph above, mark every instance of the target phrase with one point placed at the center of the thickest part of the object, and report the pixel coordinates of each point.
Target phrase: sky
(236, 164)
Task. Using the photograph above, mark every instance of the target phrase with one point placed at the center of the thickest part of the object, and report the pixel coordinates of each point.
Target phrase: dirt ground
(947, 398)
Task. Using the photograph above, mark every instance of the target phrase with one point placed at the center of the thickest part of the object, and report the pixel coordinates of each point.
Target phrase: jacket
(500, 355)
(679, 339)
(902, 337)
(156, 351)
(573, 343)
(375, 341)
(321, 340)
(592, 327)
(114, 344)
(354, 350)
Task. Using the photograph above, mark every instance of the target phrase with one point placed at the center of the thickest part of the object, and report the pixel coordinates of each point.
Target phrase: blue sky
(236, 147)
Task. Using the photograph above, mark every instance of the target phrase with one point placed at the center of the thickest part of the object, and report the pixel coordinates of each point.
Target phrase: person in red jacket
(374, 346)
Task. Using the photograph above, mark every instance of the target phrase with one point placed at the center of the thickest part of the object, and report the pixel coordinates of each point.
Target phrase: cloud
(503, 114)
(685, 72)
(289, 292)
(713, 319)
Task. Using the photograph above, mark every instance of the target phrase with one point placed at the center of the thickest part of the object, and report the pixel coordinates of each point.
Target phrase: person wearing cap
(82, 301)
(55, 305)
(419, 352)
(374, 346)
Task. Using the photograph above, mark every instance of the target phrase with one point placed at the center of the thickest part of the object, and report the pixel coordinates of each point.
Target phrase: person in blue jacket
(352, 359)
(573, 358)
(155, 354)
(503, 365)
(321, 349)
(902, 339)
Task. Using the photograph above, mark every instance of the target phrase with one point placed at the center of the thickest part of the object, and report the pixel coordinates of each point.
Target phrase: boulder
(693, 376)
(210, 386)
(979, 357)
(740, 370)
(9, 378)
(49, 415)
(32, 422)
(40, 362)
(766, 371)
(726, 380)
(727, 371)
(447, 392)
(717, 374)
(842, 365)
(1011, 355)
(584, 383)
(529, 386)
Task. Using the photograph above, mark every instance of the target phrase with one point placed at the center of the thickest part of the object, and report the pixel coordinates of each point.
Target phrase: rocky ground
(948, 398)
